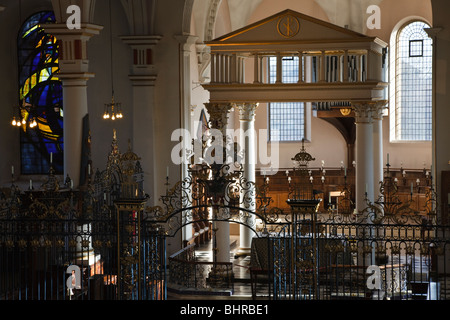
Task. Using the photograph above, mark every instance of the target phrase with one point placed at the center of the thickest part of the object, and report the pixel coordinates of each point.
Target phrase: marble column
(364, 168)
(364, 154)
(378, 165)
(74, 74)
(218, 118)
(248, 143)
(185, 44)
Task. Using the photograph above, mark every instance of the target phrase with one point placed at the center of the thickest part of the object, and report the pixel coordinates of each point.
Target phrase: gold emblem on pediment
(288, 26)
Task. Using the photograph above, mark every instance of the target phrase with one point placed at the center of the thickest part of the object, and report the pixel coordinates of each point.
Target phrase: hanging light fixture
(113, 110)
(19, 121)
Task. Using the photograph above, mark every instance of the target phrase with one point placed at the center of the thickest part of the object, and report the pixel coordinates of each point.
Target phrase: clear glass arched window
(40, 95)
(413, 83)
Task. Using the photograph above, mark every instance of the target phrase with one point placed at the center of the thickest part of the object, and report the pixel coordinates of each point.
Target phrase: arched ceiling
(344, 13)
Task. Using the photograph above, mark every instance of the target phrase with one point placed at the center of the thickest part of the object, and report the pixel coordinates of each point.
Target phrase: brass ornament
(288, 26)
(345, 111)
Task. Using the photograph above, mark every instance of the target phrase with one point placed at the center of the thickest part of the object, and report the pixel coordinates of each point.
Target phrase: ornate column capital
(378, 109)
(247, 111)
(363, 112)
(218, 114)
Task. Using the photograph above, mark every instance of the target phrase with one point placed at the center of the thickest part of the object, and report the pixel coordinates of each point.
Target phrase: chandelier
(19, 121)
(113, 110)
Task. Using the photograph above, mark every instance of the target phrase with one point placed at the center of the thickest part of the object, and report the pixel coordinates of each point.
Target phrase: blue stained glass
(38, 64)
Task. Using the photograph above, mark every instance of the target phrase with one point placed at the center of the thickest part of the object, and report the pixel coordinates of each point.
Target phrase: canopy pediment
(338, 64)
(290, 27)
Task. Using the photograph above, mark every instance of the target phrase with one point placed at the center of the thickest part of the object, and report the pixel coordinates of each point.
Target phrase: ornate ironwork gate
(103, 242)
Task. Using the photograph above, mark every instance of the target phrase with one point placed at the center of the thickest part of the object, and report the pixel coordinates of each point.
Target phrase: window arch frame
(394, 82)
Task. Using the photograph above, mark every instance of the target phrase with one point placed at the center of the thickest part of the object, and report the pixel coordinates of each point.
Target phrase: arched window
(413, 83)
(40, 94)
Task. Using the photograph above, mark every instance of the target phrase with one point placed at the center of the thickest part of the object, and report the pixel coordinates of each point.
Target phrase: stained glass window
(40, 95)
(286, 119)
(413, 103)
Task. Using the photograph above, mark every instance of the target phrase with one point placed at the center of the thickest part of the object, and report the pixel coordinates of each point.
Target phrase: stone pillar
(364, 169)
(279, 78)
(74, 74)
(185, 44)
(322, 67)
(248, 143)
(256, 66)
(345, 67)
(218, 118)
(213, 68)
(300, 67)
(364, 154)
(378, 165)
(143, 75)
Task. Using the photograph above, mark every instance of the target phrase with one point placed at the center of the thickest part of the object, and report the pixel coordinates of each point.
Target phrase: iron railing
(355, 260)
(188, 275)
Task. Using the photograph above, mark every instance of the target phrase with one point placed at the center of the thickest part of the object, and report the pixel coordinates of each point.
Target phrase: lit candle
(104, 196)
(31, 184)
(71, 184)
(89, 169)
(289, 179)
(12, 170)
(287, 172)
(329, 197)
(51, 157)
(345, 171)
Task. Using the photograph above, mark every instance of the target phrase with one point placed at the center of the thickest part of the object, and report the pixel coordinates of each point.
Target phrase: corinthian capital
(363, 112)
(247, 111)
(378, 109)
(218, 114)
